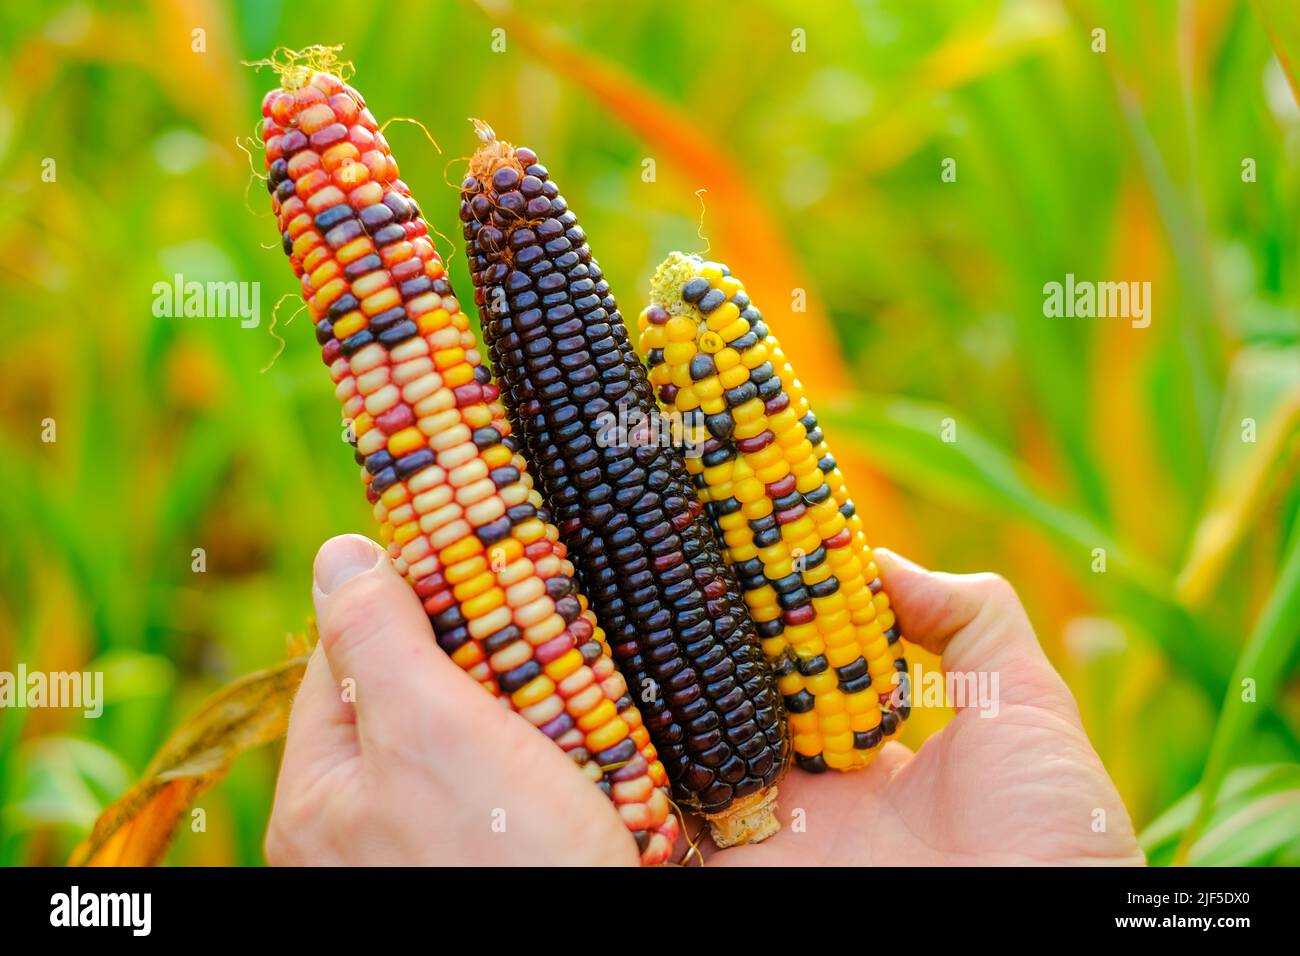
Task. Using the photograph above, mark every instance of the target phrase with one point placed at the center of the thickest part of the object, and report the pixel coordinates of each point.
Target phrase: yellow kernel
(601, 714)
(466, 547)
(480, 605)
(723, 316)
(564, 665)
(529, 531)
(823, 687)
(809, 745)
(867, 715)
(394, 496)
(607, 736)
(473, 587)
(458, 375)
(405, 441)
(679, 353)
(749, 489)
(839, 752)
(835, 724)
(841, 655)
(464, 570)
(708, 390)
(680, 329)
(535, 691)
(350, 324)
(790, 684)
(734, 377)
(446, 358)
(468, 655)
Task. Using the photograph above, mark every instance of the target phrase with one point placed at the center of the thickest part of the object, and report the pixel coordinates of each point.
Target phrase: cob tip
(666, 285)
(493, 154)
(750, 819)
(296, 67)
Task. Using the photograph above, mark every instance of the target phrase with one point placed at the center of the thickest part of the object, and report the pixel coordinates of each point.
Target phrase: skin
(415, 767)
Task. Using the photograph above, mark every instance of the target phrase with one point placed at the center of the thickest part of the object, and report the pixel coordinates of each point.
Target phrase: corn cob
(777, 499)
(454, 502)
(627, 510)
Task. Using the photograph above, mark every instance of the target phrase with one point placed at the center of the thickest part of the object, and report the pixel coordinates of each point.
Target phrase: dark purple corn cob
(627, 510)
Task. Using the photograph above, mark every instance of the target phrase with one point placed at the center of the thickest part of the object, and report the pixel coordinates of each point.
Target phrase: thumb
(378, 641)
(976, 621)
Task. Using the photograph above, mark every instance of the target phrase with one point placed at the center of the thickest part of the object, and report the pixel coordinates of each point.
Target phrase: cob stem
(750, 819)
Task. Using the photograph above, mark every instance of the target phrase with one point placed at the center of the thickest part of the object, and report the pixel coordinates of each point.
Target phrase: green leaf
(904, 438)
(1254, 821)
(129, 674)
(1268, 652)
(64, 780)
(1281, 19)
(1264, 388)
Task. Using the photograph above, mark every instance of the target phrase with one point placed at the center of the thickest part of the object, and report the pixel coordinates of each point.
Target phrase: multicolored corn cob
(777, 500)
(452, 495)
(624, 505)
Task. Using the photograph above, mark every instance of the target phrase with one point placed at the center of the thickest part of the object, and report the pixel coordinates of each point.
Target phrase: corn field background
(896, 180)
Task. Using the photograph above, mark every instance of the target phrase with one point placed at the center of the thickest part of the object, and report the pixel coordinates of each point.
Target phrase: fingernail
(341, 559)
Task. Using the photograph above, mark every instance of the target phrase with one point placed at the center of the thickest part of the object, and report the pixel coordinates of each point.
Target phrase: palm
(1024, 787)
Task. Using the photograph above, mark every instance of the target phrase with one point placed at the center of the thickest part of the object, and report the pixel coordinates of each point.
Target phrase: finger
(976, 621)
(380, 646)
(322, 726)
(933, 607)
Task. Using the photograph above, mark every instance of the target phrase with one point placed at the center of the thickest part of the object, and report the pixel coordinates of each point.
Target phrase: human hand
(1022, 787)
(412, 772)
(420, 769)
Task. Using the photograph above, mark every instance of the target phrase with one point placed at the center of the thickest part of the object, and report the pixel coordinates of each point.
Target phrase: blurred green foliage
(1128, 164)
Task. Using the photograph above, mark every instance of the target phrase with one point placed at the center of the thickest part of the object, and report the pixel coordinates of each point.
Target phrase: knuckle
(998, 590)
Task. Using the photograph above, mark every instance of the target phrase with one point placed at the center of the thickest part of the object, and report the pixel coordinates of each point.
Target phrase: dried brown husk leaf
(138, 829)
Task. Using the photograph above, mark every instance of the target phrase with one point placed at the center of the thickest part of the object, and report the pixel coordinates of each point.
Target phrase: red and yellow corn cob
(451, 493)
(778, 502)
(624, 504)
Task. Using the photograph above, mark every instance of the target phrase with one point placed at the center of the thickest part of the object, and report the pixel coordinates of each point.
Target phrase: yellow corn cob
(778, 502)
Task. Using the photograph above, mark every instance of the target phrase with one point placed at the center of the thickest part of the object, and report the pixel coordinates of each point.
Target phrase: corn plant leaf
(1252, 835)
(138, 828)
(62, 781)
(748, 237)
(1281, 19)
(1257, 677)
(1264, 386)
(903, 438)
(1254, 820)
